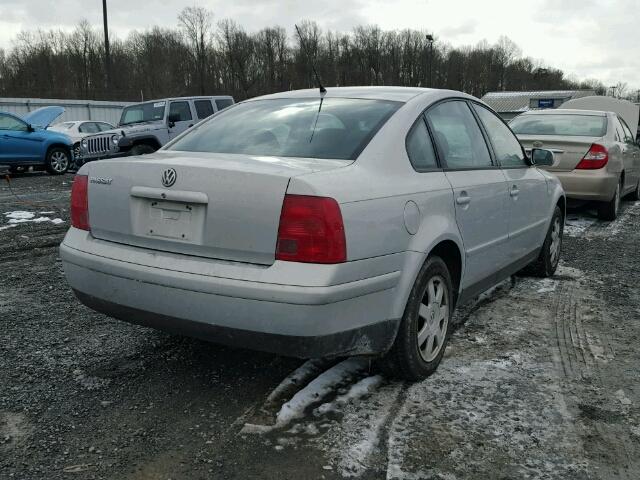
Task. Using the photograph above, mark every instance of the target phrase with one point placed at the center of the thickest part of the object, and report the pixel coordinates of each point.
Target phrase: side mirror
(172, 119)
(542, 157)
(30, 128)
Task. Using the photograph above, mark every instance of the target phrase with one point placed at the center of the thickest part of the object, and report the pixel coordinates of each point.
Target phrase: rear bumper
(287, 317)
(596, 185)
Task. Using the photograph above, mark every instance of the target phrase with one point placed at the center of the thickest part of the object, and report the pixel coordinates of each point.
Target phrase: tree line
(200, 56)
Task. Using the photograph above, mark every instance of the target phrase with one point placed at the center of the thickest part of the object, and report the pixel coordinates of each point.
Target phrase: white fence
(74, 109)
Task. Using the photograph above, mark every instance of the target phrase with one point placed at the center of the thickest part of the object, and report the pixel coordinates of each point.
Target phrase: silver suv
(145, 127)
(314, 224)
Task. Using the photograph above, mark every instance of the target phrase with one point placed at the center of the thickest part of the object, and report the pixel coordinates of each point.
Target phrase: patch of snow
(547, 285)
(6, 227)
(319, 388)
(575, 226)
(622, 398)
(299, 376)
(21, 216)
(358, 390)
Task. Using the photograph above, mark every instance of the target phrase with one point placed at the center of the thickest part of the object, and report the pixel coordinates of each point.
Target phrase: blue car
(26, 142)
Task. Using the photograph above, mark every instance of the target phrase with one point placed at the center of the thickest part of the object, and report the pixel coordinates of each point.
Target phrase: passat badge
(169, 177)
(101, 180)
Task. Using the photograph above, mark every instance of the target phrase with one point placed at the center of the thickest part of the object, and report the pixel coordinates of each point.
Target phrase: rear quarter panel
(375, 191)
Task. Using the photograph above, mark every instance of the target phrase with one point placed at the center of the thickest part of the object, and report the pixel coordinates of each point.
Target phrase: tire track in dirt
(583, 352)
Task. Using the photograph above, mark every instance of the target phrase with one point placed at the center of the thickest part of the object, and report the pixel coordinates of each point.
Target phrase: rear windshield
(144, 112)
(570, 125)
(339, 128)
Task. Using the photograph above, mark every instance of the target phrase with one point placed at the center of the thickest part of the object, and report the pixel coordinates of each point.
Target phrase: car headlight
(114, 139)
(84, 143)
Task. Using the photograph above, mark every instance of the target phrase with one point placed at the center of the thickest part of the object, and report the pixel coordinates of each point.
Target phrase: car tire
(141, 149)
(549, 258)
(425, 326)
(58, 161)
(609, 210)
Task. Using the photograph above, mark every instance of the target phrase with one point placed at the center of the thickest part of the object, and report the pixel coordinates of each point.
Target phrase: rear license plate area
(170, 220)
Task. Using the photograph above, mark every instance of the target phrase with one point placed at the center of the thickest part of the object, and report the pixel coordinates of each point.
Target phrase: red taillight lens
(597, 157)
(311, 230)
(80, 203)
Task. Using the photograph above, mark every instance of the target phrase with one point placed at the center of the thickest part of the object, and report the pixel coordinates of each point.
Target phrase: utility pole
(430, 41)
(107, 55)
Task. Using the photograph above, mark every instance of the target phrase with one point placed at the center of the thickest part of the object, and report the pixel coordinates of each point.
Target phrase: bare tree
(196, 22)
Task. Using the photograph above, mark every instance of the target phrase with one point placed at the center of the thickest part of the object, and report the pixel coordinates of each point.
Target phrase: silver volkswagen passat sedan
(316, 224)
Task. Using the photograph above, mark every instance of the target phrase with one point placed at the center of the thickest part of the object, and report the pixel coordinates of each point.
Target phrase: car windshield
(561, 124)
(143, 112)
(340, 128)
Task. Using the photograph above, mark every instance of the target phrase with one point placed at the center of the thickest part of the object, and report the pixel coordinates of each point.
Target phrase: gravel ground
(540, 379)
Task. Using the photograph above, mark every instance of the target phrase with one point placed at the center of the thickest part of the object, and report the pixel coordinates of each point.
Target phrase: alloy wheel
(433, 319)
(556, 241)
(59, 161)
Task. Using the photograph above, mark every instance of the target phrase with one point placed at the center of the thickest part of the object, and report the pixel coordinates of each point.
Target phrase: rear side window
(560, 124)
(627, 131)
(181, 109)
(506, 146)
(337, 128)
(203, 108)
(223, 103)
(619, 130)
(420, 148)
(458, 136)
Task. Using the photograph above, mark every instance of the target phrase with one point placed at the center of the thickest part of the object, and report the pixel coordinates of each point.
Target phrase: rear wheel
(425, 326)
(58, 161)
(609, 210)
(547, 262)
(142, 149)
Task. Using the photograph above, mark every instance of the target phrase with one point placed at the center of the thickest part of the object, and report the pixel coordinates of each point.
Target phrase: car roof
(566, 111)
(197, 97)
(398, 94)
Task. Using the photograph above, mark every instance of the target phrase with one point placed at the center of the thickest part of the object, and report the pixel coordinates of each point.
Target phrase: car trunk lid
(567, 151)
(224, 206)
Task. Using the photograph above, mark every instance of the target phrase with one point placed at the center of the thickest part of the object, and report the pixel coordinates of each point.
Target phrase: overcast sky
(587, 38)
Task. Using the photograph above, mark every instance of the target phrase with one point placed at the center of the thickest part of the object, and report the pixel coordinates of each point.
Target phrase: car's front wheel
(425, 326)
(58, 161)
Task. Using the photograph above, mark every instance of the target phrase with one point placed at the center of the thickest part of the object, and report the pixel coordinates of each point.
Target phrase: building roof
(521, 101)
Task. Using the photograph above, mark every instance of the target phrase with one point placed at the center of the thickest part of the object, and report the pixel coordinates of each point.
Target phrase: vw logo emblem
(169, 177)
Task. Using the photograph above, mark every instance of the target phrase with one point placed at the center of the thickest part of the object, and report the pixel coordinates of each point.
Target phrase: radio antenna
(311, 62)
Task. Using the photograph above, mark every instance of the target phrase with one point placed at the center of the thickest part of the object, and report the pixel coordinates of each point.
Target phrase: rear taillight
(311, 230)
(597, 157)
(80, 203)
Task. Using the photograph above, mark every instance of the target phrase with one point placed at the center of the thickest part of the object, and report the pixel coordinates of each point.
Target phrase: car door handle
(463, 199)
(514, 192)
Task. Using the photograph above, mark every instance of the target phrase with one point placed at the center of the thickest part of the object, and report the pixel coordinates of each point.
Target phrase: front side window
(10, 123)
(420, 148)
(560, 124)
(337, 128)
(102, 126)
(458, 136)
(203, 108)
(180, 110)
(506, 146)
(88, 127)
(143, 112)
